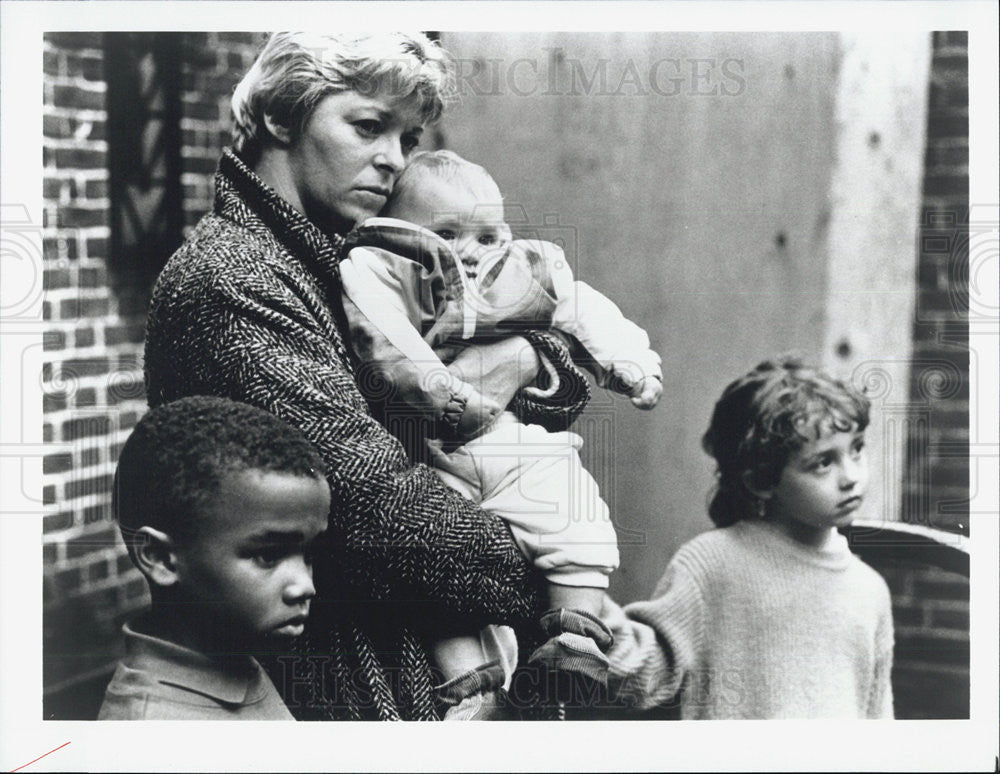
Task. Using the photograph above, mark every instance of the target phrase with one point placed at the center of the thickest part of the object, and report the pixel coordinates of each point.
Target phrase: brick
(84, 337)
(51, 63)
(907, 616)
(87, 65)
(946, 184)
(96, 189)
(48, 494)
(75, 40)
(53, 341)
(82, 217)
(128, 420)
(53, 401)
(50, 553)
(98, 570)
(133, 333)
(68, 580)
(96, 513)
(80, 158)
(936, 650)
(57, 463)
(135, 589)
(123, 564)
(88, 487)
(72, 308)
(86, 397)
(52, 189)
(202, 165)
(950, 619)
(55, 278)
(77, 367)
(97, 248)
(47, 432)
(205, 110)
(75, 429)
(944, 587)
(87, 544)
(57, 248)
(77, 98)
(56, 521)
(90, 457)
(948, 126)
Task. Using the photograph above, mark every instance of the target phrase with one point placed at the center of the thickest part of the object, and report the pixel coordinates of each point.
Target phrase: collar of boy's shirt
(231, 680)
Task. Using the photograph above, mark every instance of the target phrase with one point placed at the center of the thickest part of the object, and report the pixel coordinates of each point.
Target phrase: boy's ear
(753, 488)
(280, 132)
(155, 555)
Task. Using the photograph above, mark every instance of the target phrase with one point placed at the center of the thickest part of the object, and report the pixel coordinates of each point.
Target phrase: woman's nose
(390, 155)
(299, 585)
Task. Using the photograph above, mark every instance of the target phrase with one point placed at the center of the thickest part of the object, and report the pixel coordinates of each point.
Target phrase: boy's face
(470, 221)
(823, 483)
(247, 575)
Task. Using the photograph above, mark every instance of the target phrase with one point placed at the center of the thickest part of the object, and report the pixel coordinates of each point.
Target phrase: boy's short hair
(295, 70)
(171, 465)
(765, 416)
(443, 165)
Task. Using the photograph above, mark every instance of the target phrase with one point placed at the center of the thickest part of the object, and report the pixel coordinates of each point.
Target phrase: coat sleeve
(397, 533)
(658, 643)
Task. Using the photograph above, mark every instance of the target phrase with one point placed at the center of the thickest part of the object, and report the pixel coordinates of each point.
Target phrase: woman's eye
(446, 234)
(368, 127)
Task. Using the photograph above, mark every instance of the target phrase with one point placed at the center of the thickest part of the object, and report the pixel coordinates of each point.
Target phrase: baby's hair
(295, 70)
(171, 465)
(762, 418)
(443, 165)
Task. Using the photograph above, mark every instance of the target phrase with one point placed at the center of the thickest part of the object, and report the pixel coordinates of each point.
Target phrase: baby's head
(456, 199)
(220, 505)
(788, 441)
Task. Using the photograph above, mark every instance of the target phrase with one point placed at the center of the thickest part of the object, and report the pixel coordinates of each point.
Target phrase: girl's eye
(446, 234)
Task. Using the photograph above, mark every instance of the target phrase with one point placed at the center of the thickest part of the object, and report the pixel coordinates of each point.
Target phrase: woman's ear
(748, 481)
(155, 555)
(280, 132)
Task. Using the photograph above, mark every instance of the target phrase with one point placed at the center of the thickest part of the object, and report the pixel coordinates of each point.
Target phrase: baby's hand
(479, 414)
(646, 392)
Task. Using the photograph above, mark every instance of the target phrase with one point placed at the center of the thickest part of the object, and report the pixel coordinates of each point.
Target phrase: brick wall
(92, 380)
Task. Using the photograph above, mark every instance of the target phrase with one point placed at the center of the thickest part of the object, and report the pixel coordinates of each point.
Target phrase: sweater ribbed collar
(835, 555)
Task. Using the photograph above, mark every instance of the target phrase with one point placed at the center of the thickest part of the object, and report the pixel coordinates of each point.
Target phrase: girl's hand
(646, 392)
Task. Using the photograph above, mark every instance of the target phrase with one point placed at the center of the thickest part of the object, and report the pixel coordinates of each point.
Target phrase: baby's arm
(384, 337)
(618, 349)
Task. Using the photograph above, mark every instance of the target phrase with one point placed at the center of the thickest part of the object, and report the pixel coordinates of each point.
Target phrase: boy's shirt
(159, 680)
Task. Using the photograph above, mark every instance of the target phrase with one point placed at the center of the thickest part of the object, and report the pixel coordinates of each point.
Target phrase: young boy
(771, 615)
(219, 504)
(440, 270)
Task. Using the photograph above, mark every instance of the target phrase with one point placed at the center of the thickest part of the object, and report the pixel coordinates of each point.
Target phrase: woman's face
(350, 152)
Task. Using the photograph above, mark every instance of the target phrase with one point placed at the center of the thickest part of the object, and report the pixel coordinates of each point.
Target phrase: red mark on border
(39, 758)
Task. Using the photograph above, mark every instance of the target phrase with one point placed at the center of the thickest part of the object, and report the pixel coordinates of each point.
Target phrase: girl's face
(822, 485)
(344, 164)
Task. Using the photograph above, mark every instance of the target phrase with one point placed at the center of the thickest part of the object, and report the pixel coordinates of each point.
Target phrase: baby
(770, 615)
(220, 505)
(439, 271)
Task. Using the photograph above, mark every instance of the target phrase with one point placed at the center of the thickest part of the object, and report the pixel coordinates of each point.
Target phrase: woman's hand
(498, 369)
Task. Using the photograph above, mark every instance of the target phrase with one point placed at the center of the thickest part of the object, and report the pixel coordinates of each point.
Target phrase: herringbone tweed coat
(248, 308)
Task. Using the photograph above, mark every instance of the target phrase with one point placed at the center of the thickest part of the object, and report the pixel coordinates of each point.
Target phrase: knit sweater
(748, 623)
(249, 308)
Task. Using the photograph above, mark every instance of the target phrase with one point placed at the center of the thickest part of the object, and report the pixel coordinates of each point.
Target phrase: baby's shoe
(572, 661)
(474, 695)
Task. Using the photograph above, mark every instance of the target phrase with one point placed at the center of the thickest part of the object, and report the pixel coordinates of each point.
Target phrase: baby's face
(471, 222)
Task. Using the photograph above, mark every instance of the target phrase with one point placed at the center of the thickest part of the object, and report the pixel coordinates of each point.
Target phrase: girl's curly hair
(762, 418)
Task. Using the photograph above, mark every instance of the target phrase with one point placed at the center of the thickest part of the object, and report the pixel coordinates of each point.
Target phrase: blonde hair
(295, 70)
(442, 165)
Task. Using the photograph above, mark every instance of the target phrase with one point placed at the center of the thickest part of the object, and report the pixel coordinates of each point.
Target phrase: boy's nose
(299, 587)
(850, 474)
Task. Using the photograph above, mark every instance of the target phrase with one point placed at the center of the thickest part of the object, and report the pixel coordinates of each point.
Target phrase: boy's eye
(858, 446)
(487, 239)
(446, 234)
(821, 463)
(269, 558)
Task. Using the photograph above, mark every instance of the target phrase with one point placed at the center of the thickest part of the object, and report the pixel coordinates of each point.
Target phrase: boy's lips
(850, 503)
(293, 626)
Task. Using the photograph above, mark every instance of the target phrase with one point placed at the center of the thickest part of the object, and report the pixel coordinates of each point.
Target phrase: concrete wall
(696, 178)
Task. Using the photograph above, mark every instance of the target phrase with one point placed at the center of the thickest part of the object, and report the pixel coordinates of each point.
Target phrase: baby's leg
(584, 598)
(474, 670)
